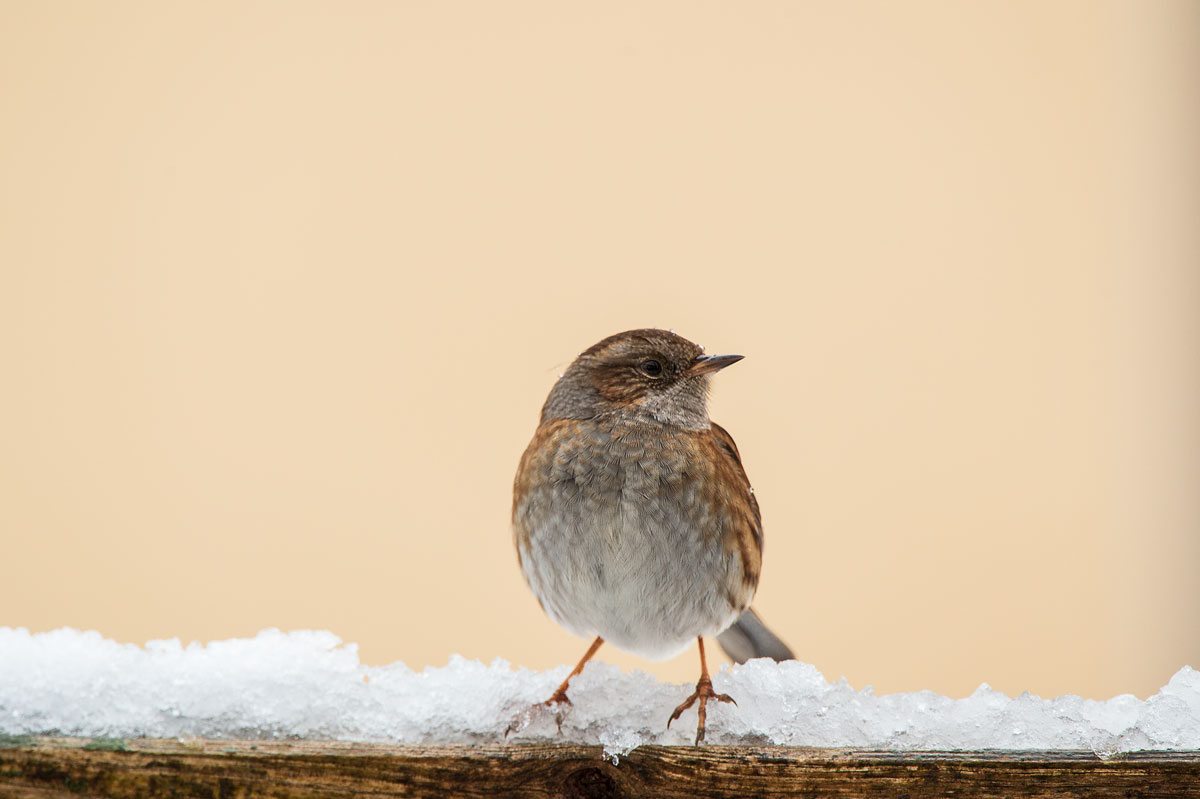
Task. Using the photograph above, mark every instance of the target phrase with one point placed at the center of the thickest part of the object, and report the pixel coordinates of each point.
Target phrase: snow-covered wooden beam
(45, 767)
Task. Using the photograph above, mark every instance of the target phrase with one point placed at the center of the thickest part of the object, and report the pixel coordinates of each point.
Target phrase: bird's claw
(557, 702)
(703, 693)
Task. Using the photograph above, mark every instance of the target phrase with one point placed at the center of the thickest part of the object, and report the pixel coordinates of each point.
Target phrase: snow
(310, 685)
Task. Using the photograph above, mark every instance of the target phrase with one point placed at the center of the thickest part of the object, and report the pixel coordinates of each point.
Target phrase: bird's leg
(559, 697)
(560, 693)
(704, 692)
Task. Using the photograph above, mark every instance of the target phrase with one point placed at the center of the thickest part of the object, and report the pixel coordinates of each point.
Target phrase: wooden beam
(48, 768)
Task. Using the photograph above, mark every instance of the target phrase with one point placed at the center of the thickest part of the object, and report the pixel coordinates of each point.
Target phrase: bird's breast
(625, 529)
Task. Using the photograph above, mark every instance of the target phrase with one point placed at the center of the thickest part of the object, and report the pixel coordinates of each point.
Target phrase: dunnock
(632, 516)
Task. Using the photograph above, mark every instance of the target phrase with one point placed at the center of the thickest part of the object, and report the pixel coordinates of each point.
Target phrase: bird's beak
(706, 364)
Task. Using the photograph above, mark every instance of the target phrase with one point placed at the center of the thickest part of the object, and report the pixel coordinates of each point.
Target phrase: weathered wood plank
(50, 768)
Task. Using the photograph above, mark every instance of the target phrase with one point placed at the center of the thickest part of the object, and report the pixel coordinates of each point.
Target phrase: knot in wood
(590, 782)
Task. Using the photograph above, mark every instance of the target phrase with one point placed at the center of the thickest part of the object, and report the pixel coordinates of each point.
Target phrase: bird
(633, 519)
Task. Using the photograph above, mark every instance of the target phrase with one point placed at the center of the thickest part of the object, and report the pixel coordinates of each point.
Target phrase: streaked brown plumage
(633, 518)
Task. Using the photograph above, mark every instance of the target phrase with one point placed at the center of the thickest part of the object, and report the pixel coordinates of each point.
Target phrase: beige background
(283, 286)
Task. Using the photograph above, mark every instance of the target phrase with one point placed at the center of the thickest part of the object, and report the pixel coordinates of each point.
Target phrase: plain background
(283, 286)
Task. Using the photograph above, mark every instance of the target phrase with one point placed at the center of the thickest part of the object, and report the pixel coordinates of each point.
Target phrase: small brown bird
(633, 518)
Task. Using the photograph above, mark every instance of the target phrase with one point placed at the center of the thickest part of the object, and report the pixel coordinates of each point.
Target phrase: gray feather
(749, 638)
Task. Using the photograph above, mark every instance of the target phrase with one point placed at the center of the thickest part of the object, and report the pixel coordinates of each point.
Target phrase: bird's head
(648, 374)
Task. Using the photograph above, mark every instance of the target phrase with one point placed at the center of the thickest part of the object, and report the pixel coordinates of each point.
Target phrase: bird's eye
(651, 368)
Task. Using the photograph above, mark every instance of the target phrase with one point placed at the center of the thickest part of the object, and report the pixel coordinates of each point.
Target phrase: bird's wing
(727, 445)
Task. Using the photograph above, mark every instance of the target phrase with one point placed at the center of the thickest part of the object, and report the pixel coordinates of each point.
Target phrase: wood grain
(66, 767)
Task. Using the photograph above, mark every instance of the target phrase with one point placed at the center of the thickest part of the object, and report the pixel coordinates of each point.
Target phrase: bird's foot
(558, 703)
(704, 692)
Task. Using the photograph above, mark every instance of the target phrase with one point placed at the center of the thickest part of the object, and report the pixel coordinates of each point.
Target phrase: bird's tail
(749, 638)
